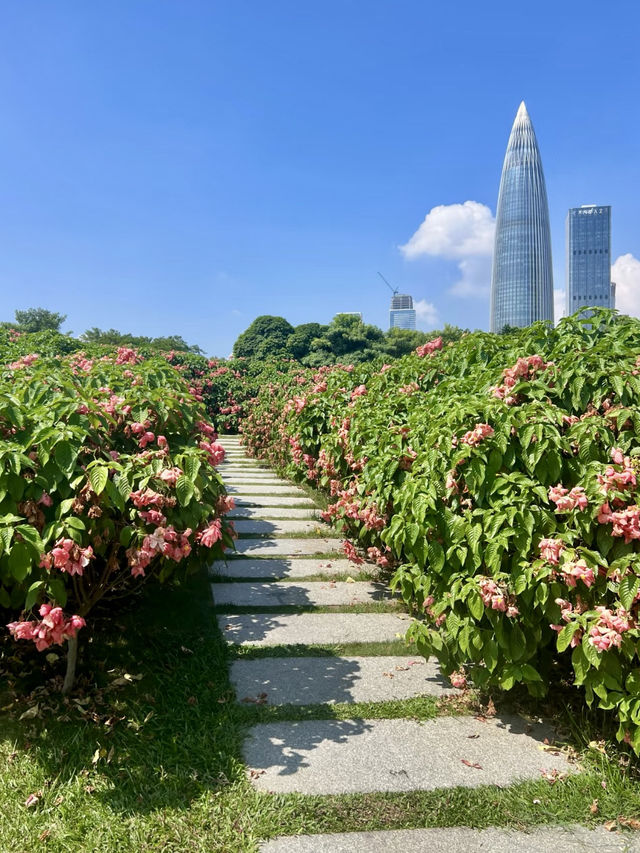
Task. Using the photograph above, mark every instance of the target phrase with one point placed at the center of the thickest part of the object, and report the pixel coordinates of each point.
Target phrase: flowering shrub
(502, 489)
(107, 477)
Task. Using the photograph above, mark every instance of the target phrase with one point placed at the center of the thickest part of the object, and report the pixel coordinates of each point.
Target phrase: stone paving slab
(287, 547)
(325, 680)
(276, 526)
(461, 839)
(273, 500)
(273, 512)
(272, 629)
(264, 489)
(265, 483)
(359, 756)
(252, 476)
(282, 568)
(309, 593)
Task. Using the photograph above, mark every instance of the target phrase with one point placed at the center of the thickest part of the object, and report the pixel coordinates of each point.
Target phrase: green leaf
(64, 456)
(184, 490)
(98, 477)
(191, 467)
(475, 605)
(32, 594)
(628, 589)
(20, 560)
(566, 635)
(435, 554)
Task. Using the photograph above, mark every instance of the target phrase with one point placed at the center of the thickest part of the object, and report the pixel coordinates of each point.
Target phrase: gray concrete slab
(264, 489)
(272, 629)
(274, 512)
(253, 477)
(303, 594)
(462, 839)
(278, 526)
(288, 547)
(358, 756)
(277, 568)
(326, 680)
(273, 500)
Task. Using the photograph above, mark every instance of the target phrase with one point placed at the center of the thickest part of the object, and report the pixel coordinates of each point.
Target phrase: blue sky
(183, 166)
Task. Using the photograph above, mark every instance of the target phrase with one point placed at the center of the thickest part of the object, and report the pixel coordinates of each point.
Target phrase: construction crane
(395, 291)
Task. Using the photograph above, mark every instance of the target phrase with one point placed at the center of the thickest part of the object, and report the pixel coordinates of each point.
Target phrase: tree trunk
(72, 657)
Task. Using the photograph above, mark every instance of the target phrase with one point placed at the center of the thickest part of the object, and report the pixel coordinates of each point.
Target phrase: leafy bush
(107, 477)
(498, 476)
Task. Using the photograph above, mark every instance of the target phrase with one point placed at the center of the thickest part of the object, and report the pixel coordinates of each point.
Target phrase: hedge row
(498, 477)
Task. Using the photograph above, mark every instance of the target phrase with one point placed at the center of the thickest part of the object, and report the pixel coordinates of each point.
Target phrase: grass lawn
(146, 754)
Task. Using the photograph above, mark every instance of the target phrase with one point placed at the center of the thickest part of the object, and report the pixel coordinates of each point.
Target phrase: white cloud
(475, 277)
(558, 305)
(453, 231)
(426, 313)
(626, 274)
(461, 232)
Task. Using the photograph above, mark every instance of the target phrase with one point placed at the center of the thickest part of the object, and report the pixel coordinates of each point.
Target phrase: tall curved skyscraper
(522, 279)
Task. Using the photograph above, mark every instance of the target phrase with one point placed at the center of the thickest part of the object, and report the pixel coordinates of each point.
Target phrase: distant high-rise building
(402, 314)
(589, 258)
(522, 278)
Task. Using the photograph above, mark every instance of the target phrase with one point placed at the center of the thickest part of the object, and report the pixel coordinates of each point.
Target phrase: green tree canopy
(299, 343)
(266, 336)
(39, 320)
(115, 338)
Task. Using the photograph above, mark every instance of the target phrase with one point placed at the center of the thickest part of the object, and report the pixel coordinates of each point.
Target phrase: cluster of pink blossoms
(609, 629)
(566, 500)
(153, 516)
(211, 534)
(351, 553)
(165, 541)
(296, 404)
(493, 596)
(127, 355)
(379, 557)
(613, 480)
(411, 388)
(207, 429)
(147, 497)
(170, 476)
(360, 391)
(477, 434)
(215, 452)
(577, 571)
(225, 504)
(430, 348)
(24, 361)
(53, 628)
(626, 523)
(81, 363)
(550, 550)
(349, 506)
(524, 368)
(68, 557)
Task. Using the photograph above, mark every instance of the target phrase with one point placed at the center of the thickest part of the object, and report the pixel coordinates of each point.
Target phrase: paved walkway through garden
(336, 640)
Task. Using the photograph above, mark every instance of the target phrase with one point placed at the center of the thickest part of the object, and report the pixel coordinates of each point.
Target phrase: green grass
(156, 765)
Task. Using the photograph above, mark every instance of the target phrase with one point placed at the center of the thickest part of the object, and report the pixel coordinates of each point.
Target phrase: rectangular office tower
(402, 314)
(589, 258)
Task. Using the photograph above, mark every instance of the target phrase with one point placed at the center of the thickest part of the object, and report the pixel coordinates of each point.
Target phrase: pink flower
(147, 497)
(478, 434)
(458, 680)
(53, 628)
(162, 442)
(45, 499)
(566, 500)
(430, 348)
(153, 516)
(360, 391)
(170, 475)
(147, 438)
(550, 550)
(573, 572)
(351, 553)
(225, 504)
(211, 534)
(68, 557)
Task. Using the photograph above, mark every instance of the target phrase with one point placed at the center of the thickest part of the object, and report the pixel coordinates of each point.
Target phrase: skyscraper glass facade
(522, 277)
(402, 314)
(589, 258)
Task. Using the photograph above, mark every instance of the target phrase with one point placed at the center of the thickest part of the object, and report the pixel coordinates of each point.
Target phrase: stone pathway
(268, 594)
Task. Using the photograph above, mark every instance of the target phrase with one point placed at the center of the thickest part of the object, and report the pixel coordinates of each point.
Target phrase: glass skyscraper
(522, 278)
(589, 258)
(402, 314)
